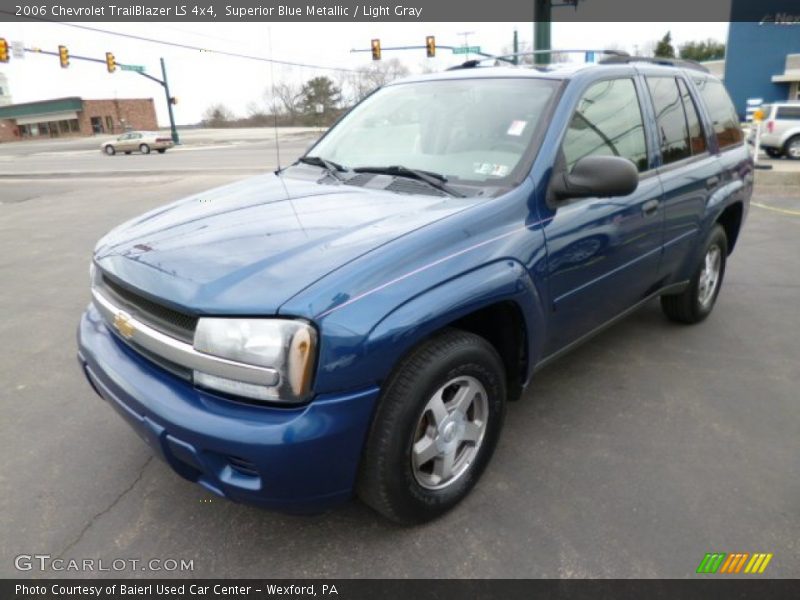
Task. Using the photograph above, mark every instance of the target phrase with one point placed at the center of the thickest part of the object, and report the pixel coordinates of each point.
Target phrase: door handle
(712, 182)
(650, 207)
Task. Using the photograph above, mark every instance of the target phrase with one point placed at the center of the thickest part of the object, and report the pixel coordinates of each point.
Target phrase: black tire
(127, 152)
(687, 307)
(110, 150)
(144, 149)
(791, 149)
(387, 481)
(161, 150)
(773, 152)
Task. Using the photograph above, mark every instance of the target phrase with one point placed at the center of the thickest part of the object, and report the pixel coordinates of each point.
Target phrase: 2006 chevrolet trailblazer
(355, 323)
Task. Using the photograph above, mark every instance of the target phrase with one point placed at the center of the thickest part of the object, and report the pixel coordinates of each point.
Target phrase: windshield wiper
(435, 180)
(331, 167)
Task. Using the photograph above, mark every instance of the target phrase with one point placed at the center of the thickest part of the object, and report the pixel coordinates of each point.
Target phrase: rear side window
(673, 134)
(697, 139)
(607, 122)
(720, 108)
(788, 112)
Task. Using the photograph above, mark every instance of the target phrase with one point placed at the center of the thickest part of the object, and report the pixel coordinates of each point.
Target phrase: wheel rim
(794, 149)
(109, 150)
(449, 433)
(709, 276)
(145, 149)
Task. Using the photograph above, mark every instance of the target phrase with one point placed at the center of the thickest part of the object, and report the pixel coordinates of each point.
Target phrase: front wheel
(695, 303)
(144, 149)
(435, 429)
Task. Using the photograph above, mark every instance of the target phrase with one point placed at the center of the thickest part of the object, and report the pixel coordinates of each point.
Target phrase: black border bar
(702, 587)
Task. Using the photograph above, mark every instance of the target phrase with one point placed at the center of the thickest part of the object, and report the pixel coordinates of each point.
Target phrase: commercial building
(762, 60)
(74, 116)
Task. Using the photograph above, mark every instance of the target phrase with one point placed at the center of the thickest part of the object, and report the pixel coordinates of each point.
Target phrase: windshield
(472, 131)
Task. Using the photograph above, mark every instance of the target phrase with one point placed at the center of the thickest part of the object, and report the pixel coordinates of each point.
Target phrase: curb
(143, 173)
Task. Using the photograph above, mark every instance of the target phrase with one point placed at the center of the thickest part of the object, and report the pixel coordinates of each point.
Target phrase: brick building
(75, 116)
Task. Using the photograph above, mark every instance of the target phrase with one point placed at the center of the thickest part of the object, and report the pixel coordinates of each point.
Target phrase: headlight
(287, 346)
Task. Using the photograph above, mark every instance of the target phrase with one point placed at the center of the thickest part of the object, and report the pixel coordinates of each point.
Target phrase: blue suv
(355, 323)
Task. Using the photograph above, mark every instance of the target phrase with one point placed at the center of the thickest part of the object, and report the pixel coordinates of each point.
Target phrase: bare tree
(218, 115)
(358, 84)
(284, 99)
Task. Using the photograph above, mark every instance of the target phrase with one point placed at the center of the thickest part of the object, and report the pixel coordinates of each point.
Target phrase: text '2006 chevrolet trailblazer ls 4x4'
(355, 323)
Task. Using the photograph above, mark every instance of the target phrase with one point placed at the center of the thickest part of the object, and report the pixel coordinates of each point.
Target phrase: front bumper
(301, 459)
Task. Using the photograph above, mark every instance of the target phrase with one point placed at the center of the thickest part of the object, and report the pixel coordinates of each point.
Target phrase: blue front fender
(501, 281)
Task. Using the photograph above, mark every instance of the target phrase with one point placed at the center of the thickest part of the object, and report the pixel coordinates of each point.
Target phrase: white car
(780, 132)
(138, 141)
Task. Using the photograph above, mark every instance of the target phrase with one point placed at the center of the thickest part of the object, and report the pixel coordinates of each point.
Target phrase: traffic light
(430, 46)
(63, 56)
(3, 50)
(111, 62)
(376, 49)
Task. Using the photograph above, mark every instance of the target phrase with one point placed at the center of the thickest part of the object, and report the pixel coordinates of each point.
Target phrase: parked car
(780, 132)
(357, 322)
(138, 141)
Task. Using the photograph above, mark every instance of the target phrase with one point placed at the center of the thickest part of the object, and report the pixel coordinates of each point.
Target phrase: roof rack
(669, 62)
(508, 58)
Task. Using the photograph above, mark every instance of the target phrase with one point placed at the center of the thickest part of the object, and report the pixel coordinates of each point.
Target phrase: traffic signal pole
(542, 18)
(169, 103)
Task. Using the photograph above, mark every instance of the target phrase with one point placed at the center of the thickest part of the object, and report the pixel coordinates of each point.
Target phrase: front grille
(166, 320)
(177, 370)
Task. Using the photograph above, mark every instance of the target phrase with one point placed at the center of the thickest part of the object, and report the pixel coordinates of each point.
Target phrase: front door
(603, 253)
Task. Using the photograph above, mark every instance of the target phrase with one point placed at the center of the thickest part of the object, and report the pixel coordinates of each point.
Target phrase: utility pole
(516, 47)
(466, 35)
(169, 103)
(542, 21)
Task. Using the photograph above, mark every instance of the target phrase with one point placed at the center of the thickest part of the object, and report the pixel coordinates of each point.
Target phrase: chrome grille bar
(179, 352)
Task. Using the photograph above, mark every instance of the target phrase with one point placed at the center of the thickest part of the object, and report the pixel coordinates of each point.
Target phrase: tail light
(163, 139)
(770, 126)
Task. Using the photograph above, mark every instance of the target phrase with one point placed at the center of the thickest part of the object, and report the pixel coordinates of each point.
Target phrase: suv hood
(249, 247)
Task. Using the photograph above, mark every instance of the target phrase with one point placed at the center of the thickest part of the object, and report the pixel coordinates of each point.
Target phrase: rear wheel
(144, 149)
(435, 428)
(161, 150)
(110, 150)
(792, 148)
(696, 302)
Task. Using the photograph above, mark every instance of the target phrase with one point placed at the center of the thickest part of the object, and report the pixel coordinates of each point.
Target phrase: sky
(200, 79)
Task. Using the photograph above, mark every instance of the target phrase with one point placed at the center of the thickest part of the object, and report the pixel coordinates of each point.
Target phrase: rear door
(688, 171)
(603, 253)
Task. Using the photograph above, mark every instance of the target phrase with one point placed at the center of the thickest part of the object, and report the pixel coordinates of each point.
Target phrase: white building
(5, 91)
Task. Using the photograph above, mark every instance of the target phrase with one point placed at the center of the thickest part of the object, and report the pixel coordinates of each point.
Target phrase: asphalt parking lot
(631, 457)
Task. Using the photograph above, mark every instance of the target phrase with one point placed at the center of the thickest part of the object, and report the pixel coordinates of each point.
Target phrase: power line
(188, 46)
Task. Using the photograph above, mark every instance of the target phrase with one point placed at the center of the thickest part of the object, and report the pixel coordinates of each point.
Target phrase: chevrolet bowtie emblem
(122, 323)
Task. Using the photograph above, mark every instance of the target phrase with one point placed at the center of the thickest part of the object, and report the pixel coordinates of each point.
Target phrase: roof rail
(669, 62)
(476, 62)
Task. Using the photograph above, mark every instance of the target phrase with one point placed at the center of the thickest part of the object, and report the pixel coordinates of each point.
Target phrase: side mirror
(596, 176)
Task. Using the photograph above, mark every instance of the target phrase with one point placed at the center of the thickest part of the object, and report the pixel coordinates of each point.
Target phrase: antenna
(274, 111)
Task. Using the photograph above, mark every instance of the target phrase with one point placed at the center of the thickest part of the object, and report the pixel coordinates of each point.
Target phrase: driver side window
(607, 122)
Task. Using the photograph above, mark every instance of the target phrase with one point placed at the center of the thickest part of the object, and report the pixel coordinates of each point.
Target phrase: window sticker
(516, 128)
(491, 169)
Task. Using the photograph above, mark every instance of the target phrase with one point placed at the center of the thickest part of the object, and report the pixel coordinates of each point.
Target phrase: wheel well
(503, 326)
(731, 221)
